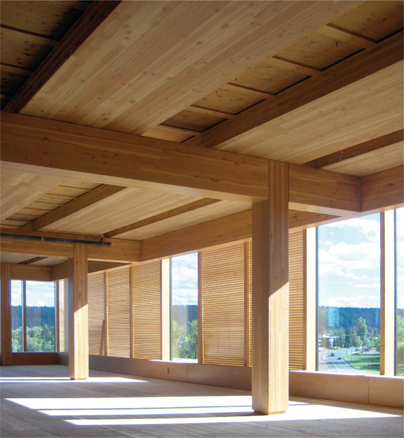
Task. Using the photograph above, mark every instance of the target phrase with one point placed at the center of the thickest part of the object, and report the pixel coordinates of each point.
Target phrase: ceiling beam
(162, 216)
(79, 152)
(321, 191)
(346, 36)
(90, 198)
(91, 18)
(124, 251)
(32, 260)
(217, 232)
(30, 272)
(383, 190)
(359, 149)
(60, 272)
(71, 151)
(352, 69)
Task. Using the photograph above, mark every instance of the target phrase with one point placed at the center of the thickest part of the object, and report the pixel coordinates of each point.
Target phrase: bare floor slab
(43, 401)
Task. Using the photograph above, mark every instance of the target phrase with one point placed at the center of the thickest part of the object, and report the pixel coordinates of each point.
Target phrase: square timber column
(78, 313)
(5, 327)
(270, 295)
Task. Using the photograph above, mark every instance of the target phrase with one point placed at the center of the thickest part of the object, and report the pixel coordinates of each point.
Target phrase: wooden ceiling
(316, 84)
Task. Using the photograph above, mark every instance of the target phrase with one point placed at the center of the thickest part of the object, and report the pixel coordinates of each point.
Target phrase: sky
(39, 293)
(349, 262)
(184, 279)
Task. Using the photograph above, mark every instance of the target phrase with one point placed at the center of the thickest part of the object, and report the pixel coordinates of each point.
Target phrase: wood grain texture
(341, 75)
(119, 251)
(382, 190)
(387, 295)
(163, 56)
(357, 150)
(327, 193)
(88, 22)
(162, 216)
(18, 190)
(6, 358)
(78, 314)
(31, 272)
(107, 156)
(270, 296)
(87, 200)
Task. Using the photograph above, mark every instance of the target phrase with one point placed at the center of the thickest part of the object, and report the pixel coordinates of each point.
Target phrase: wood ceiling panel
(150, 60)
(364, 110)
(374, 19)
(123, 208)
(204, 214)
(22, 50)
(371, 162)
(228, 101)
(163, 133)
(18, 190)
(14, 258)
(318, 51)
(48, 18)
(193, 120)
(271, 78)
(11, 82)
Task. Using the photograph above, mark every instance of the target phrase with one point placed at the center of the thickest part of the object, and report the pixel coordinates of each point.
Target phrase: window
(184, 308)
(40, 316)
(16, 316)
(33, 316)
(348, 296)
(399, 282)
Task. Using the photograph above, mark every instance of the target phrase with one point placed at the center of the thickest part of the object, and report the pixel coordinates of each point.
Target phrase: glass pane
(16, 316)
(400, 291)
(348, 318)
(184, 308)
(40, 308)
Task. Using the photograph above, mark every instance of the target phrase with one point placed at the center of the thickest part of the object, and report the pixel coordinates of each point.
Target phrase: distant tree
(189, 344)
(16, 340)
(362, 330)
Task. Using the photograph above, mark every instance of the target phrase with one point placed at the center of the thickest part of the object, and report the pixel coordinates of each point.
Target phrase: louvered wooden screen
(222, 291)
(118, 313)
(296, 301)
(95, 287)
(146, 311)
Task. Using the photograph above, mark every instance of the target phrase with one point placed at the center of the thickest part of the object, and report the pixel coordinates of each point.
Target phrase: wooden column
(310, 299)
(387, 301)
(270, 302)
(78, 313)
(6, 314)
(165, 310)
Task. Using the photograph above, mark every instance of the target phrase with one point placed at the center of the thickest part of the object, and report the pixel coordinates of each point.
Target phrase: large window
(399, 234)
(184, 308)
(348, 316)
(33, 316)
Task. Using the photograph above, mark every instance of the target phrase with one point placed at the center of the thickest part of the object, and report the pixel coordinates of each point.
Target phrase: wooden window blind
(118, 313)
(146, 311)
(296, 301)
(222, 292)
(95, 290)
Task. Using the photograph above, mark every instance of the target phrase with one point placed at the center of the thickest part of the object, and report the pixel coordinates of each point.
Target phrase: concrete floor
(42, 401)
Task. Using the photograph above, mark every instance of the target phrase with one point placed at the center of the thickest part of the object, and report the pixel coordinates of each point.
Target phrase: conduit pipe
(55, 239)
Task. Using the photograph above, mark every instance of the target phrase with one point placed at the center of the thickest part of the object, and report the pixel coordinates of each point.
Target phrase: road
(336, 363)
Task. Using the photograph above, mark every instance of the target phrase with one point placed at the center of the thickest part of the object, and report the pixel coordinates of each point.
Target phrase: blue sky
(349, 262)
(184, 279)
(38, 293)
